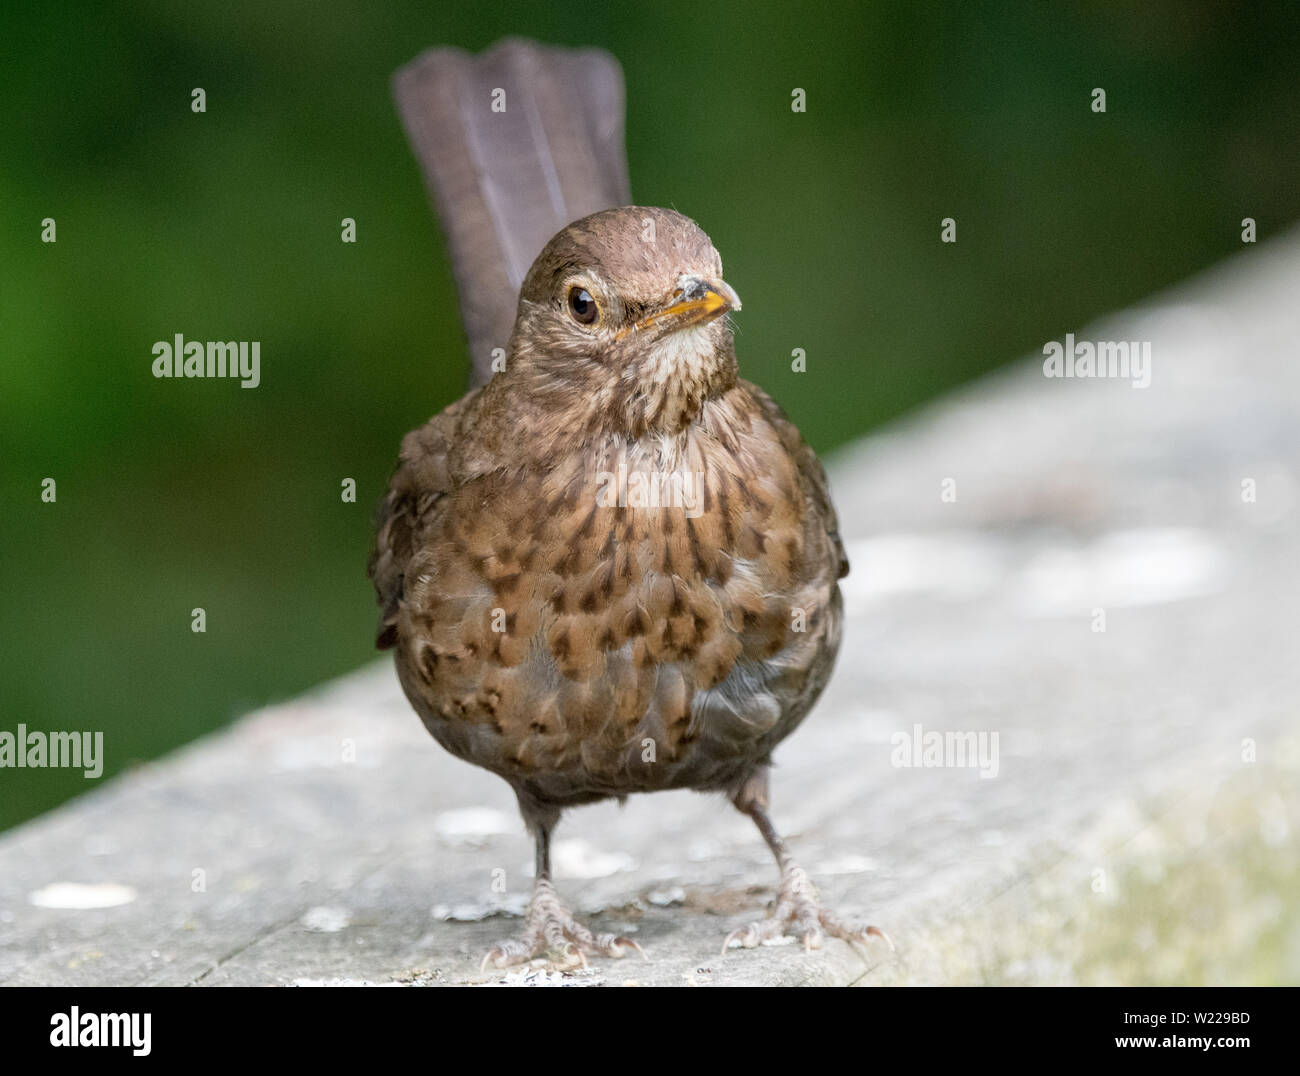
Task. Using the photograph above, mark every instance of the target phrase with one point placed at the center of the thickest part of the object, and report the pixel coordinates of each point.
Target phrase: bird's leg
(548, 924)
(798, 908)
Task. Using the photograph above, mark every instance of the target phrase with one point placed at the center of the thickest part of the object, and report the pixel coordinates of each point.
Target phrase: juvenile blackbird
(613, 567)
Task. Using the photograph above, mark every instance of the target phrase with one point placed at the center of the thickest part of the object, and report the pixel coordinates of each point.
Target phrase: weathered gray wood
(1120, 752)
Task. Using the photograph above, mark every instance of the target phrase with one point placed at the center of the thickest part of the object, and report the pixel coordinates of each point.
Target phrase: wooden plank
(1126, 836)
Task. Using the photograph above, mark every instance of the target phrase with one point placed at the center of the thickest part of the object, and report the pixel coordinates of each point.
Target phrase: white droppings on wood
(472, 827)
(580, 859)
(326, 919)
(77, 896)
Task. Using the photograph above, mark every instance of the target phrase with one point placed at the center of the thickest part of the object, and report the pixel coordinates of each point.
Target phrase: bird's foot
(549, 926)
(799, 912)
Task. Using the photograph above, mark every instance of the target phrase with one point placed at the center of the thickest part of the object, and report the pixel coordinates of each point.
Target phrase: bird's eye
(582, 306)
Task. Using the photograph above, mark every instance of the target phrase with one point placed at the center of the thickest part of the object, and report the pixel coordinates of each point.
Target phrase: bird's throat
(681, 371)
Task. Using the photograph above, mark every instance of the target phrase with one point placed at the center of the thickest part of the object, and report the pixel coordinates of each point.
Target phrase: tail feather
(514, 144)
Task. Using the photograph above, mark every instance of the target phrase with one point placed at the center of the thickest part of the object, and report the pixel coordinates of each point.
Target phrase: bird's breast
(636, 616)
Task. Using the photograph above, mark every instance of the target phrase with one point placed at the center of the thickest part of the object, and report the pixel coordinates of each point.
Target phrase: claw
(799, 912)
(619, 944)
(498, 957)
(572, 949)
(877, 932)
(745, 937)
(548, 925)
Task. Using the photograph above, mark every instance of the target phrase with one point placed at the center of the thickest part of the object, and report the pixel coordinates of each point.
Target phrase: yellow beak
(699, 301)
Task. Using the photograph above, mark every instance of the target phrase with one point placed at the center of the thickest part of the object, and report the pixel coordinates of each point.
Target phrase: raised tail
(514, 144)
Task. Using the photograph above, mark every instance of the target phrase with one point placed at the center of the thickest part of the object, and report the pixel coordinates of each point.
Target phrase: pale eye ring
(582, 307)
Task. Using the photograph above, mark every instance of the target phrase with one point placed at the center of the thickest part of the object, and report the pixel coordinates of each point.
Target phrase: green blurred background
(226, 225)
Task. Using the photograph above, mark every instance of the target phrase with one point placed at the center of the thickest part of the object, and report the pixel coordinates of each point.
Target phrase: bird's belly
(610, 649)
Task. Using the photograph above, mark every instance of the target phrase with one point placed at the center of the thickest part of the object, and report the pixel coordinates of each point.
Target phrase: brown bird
(613, 568)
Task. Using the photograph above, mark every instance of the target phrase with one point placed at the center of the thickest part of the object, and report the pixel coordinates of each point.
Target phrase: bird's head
(625, 311)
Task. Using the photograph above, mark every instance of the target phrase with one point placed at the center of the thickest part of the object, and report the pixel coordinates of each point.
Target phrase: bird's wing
(514, 144)
(421, 482)
(811, 473)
